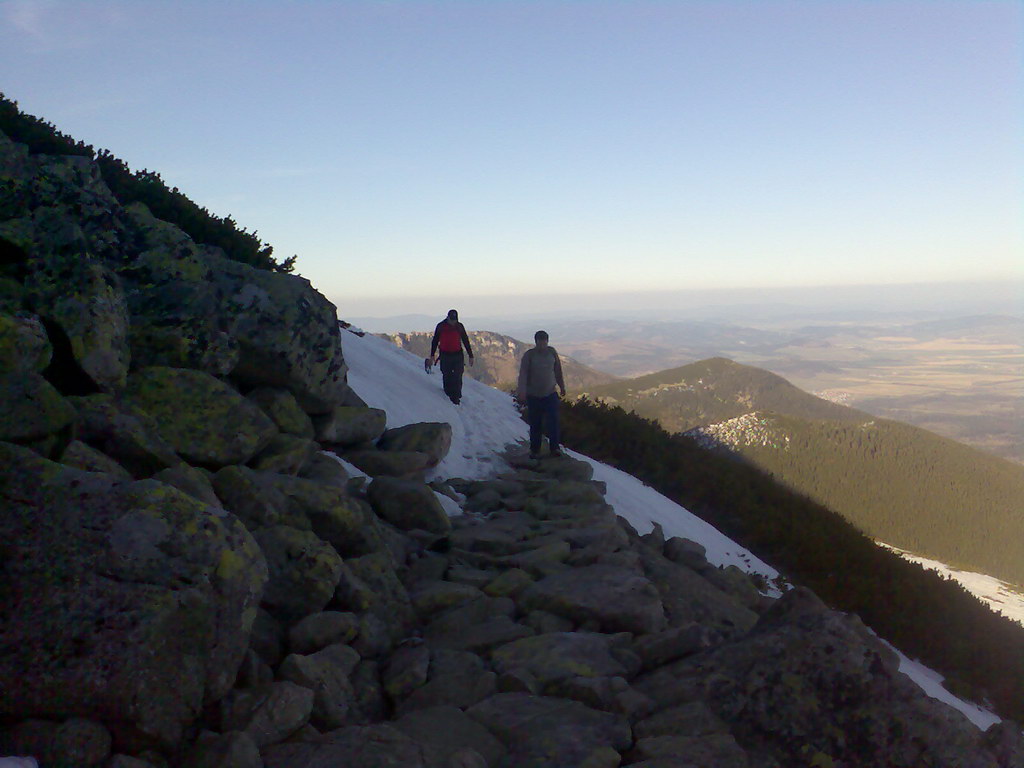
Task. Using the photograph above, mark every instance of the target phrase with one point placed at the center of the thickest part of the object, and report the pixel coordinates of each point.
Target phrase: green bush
(146, 187)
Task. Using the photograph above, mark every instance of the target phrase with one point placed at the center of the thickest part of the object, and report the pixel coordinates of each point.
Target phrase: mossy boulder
(206, 421)
(390, 463)
(304, 572)
(408, 504)
(81, 456)
(350, 425)
(84, 299)
(281, 406)
(250, 496)
(24, 345)
(195, 482)
(31, 408)
(150, 592)
(285, 454)
(432, 438)
(123, 432)
(336, 517)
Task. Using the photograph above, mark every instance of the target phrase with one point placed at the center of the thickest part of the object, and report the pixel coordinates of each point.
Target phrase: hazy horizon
(742, 304)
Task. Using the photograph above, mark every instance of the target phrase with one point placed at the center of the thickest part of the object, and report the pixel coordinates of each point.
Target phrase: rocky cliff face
(191, 578)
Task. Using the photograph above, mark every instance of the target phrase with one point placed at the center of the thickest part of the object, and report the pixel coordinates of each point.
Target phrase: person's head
(453, 316)
(541, 339)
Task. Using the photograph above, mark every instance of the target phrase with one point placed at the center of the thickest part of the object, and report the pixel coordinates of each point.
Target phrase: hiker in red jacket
(450, 336)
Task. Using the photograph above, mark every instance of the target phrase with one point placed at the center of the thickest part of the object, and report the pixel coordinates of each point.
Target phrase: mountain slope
(901, 484)
(497, 359)
(715, 390)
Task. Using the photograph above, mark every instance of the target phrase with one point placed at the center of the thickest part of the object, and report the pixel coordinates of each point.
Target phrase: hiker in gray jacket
(539, 373)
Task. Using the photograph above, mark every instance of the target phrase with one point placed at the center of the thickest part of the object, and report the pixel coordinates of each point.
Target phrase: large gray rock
(444, 731)
(252, 497)
(373, 746)
(304, 571)
(155, 592)
(284, 410)
(318, 630)
(349, 425)
(389, 463)
(81, 456)
(201, 417)
(336, 517)
(30, 408)
(24, 345)
(432, 438)
(454, 678)
(560, 655)
(616, 598)
(234, 749)
(384, 595)
(326, 673)
(267, 714)
(190, 480)
(125, 433)
(285, 454)
(809, 680)
(542, 732)
(408, 504)
(84, 299)
(77, 742)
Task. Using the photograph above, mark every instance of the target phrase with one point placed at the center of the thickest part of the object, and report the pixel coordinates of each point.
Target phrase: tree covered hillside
(900, 484)
(714, 390)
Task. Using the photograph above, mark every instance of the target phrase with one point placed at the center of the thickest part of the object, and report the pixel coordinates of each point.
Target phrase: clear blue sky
(433, 150)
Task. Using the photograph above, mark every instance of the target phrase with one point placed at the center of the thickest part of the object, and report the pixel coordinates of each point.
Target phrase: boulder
(75, 742)
(390, 463)
(325, 468)
(542, 732)
(195, 482)
(125, 433)
(616, 598)
(717, 749)
(252, 497)
(303, 571)
(350, 426)
(81, 456)
(560, 655)
(454, 678)
(318, 630)
(285, 454)
(326, 674)
(444, 731)
(24, 345)
(432, 438)
(284, 410)
(336, 517)
(408, 504)
(384, 595)
(155, 592)
(31, 408)
(84, 300)
(266, 714)
(405, 670)
(430, 597)
(201, 417)
(372, 746)
(235, 749)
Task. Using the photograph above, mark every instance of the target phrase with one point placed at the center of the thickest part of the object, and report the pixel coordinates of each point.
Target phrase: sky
(415, 153)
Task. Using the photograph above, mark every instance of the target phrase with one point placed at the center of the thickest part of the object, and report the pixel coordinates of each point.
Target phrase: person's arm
(465, 341)
(524, 375)
(558, 373)
(435, 340)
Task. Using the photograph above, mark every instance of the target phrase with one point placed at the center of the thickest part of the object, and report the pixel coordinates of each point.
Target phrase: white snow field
(487, 423)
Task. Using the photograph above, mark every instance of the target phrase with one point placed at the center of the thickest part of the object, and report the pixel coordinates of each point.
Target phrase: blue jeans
(538, 411)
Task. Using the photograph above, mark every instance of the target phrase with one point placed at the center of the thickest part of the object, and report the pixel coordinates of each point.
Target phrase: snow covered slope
(486, 425)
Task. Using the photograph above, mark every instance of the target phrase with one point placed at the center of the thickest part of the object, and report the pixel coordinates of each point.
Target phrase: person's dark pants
(542, 415)
(452, 365)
